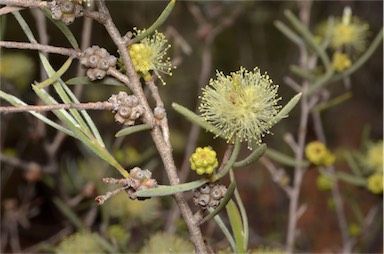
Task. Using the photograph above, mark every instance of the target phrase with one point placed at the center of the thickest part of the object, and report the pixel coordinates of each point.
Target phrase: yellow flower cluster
(318, 154)
(340, 62)
(324, 182)
(374, 156)
(347, 37)
(375, 183)
(241, 105)
(150, 55)
(204, 160)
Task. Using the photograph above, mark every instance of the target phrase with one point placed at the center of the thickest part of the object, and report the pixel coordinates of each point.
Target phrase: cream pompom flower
(150, 55)
(347, 33)
(241, 106)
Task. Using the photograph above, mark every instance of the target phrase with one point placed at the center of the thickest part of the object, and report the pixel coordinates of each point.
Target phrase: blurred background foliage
(251, 41)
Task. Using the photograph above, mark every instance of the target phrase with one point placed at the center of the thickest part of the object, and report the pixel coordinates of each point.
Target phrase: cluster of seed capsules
(141, 180)
(98, 61)
(66, 10)
(126, 107)
(209, 195)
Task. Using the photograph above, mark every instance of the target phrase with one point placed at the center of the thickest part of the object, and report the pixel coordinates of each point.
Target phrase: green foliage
(82, 243)
(21, 75)
(163, 243)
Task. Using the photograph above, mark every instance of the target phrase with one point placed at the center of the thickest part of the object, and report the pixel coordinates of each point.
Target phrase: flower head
(374, 156)
(324, 182)
(348, 32)
(242, 106)
(150, 55)
(318, 154)
(204, 160)
(81, 242)
(375, 183)
(340, 62)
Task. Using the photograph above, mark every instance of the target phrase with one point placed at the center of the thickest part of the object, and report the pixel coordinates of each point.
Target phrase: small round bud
(159, 113)
(204, 160)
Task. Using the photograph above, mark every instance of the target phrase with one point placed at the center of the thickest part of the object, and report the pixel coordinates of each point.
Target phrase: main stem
(164, 149)
(298, 176)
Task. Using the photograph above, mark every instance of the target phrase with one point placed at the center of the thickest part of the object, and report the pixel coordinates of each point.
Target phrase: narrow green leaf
(357, 211)
(243, 213)
(62, 114)
(285, 159)
(160, 20)
(229, 164)
(309, 38)
(50, 71)
(355, 180)
(64, 29)
(254, 156)
(86, 81)
(284, 29)
(69, 214)
(305, 74)
(171, 189)
(133, 129)
(64, 96)
(225, 230)
(84, 113)
(223, 203)
(191, 116)
(17, 102)
(24, 26)
(56, 75)
(334, 102)
(237, 225)
(287, 108)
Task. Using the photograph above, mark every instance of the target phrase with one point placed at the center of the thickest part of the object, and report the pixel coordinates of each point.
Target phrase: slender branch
(44, 48)
(163, 148)
(8, 9)
(299, 171)
(90, 106)
(27, 3)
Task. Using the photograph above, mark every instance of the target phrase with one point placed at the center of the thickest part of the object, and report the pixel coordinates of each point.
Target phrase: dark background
(251, 41)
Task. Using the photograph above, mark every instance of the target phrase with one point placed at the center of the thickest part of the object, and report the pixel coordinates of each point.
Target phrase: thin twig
(164, 150)
(90, 106)
(41, 47)
(27, 3)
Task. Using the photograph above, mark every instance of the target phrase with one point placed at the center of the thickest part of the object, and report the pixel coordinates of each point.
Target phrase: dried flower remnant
(127, 108)
(242, 106)
(209, 195)
(150, 55)
(97, 60)
(66, 10)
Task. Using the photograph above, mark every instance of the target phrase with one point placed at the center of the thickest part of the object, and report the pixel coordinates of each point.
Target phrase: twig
(275, 175)
(90, 106)
(164, 150)
(27, 3)
(43, 48)
(159, 103)
(8, 9)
